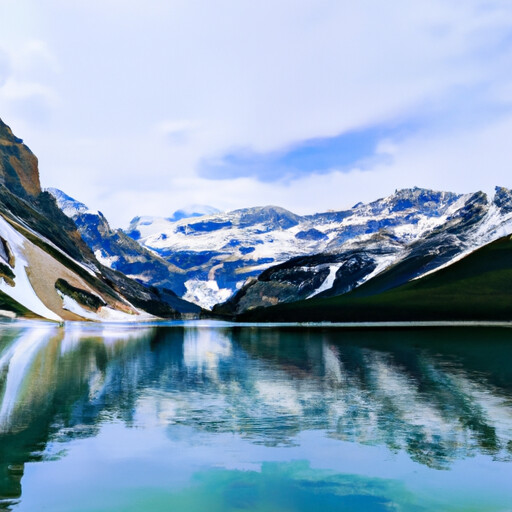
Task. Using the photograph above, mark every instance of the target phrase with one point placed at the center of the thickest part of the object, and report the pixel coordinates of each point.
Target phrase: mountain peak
(18, 165)
(193, 210)
(503, 199)
(70, 206)
(423, 200)
(273, 216)
(7, 135)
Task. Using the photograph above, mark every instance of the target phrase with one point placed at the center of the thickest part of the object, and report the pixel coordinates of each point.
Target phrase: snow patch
(382, 264)
(205, 293)
(104, 313)
(69, 206)
(328, 281)
(71, 305)
(22, 292)
(104, 259)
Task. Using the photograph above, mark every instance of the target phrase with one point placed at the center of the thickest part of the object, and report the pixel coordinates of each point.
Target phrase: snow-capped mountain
(280, 256)
(262, 256)
(375, 263)
(69, 206)
(475, 288)
(114, 249)
(220, 252)
(46, 268)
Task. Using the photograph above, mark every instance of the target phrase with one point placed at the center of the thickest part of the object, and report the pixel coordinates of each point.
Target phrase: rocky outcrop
(18, 165)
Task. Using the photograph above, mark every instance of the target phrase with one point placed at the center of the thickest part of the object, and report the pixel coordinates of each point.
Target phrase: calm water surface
(188, 418)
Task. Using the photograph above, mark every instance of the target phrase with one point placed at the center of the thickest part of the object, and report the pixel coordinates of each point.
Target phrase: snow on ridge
(494, 225)
(382, 264)
(70, 206)
(163, 234)
(22, 292)
(89, 269)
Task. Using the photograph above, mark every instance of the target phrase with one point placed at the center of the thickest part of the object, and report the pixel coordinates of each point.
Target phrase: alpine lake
(217, 417)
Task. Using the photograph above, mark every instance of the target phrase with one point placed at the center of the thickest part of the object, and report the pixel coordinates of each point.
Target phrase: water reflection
(439, 395)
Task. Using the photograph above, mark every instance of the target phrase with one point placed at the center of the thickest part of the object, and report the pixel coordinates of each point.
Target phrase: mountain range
(386, 258)
(250, 263)
(47, 270)
(232, 262)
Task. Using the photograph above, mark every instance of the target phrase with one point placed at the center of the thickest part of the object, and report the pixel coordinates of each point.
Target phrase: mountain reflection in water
(440, 395)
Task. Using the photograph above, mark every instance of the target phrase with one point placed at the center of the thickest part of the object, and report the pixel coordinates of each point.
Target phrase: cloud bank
(311, 105)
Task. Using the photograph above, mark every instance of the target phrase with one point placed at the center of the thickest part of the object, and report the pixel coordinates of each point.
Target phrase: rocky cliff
(46, 269)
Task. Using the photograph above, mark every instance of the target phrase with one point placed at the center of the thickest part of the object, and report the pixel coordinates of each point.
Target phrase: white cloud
(26, 72)
(14, 90)
(138, 94)
(35, 58)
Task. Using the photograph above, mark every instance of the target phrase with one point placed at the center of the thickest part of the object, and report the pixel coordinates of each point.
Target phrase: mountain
(116, 250)
(216, 252)
(223, 253)
(476, 287)
(194, 210)
(236, 261)
(46, 268)
(382, 260)
(304, 277)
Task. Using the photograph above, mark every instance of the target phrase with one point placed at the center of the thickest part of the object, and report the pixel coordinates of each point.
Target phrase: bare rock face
(21, 196)
(18, 165)
(503, 199)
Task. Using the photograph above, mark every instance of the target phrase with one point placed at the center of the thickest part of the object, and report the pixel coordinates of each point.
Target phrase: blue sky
(140, 109)
(321, 155)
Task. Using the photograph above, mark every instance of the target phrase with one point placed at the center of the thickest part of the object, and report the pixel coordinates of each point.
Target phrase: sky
(141, 108)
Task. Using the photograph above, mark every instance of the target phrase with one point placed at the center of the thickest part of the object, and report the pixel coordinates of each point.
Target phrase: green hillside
(478, 287)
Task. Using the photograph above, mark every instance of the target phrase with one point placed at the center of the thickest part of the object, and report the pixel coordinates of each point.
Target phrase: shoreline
(221, 324)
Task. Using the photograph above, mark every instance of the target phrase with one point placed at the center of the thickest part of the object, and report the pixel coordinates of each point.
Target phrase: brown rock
(18, 165)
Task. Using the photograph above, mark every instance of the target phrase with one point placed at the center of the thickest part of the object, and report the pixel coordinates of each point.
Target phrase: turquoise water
(188, 418)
